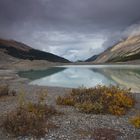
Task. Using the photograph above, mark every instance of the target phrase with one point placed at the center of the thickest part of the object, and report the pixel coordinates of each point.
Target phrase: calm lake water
(127, 76)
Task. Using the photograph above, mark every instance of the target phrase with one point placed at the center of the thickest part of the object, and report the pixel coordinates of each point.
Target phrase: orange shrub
(65, 101)
(136, 121)
(100, 99)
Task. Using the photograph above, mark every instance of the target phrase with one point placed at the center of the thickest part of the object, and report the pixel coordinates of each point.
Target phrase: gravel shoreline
(73, 125)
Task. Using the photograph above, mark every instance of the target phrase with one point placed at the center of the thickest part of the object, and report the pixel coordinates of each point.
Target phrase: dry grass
(29, 119)
(99, 100)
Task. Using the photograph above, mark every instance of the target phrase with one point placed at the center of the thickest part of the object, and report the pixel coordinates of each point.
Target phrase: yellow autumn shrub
(117, 110)
(89, 107)
(65, 101)
(100, 99)
(136, 121)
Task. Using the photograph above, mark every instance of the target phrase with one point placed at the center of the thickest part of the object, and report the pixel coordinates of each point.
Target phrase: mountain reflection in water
(88, 76)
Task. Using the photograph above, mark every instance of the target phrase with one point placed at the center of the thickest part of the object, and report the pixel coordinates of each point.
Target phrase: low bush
(101, 99)
(5, 91)
(65, 101)
(136, 121)
(29, 119)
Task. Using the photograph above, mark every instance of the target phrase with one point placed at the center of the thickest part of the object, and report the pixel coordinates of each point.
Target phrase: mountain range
(22, 51)
(124, 51)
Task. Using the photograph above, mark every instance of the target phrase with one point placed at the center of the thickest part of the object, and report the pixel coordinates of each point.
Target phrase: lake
(73, 76)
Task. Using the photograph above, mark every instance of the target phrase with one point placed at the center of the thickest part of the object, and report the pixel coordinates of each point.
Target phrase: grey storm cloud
(75, 29)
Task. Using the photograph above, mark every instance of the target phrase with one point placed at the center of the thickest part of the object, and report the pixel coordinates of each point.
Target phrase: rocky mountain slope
(21, 51)
(94, 57)
(126, 50)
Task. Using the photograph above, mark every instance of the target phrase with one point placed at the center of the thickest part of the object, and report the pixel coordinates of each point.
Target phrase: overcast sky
(74, 29)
